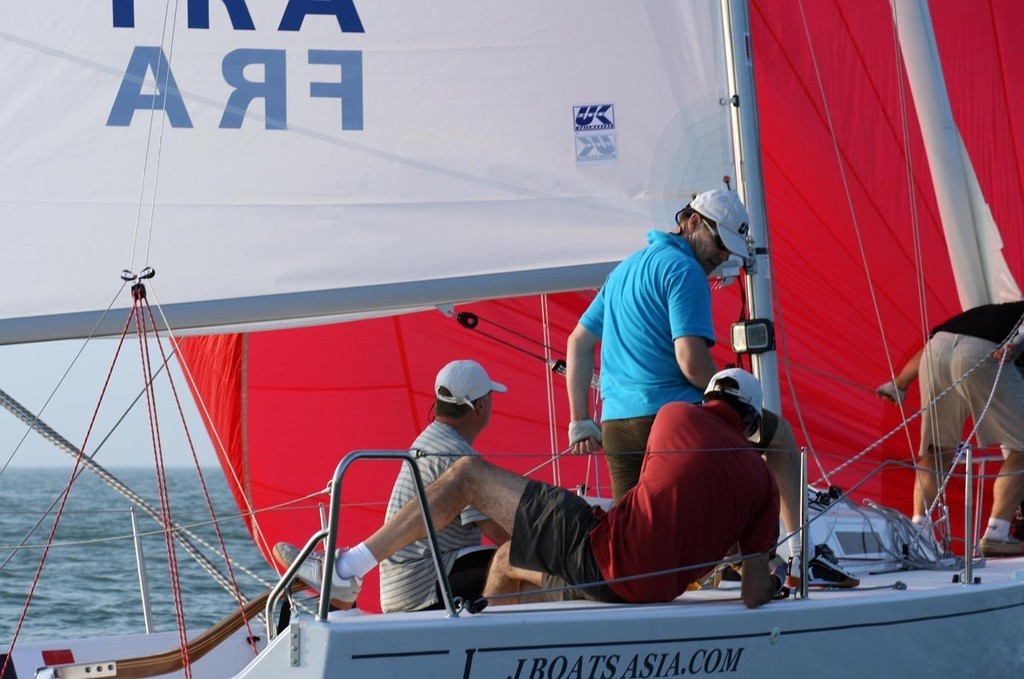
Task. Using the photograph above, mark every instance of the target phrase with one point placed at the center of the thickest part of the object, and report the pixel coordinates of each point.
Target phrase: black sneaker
(823, 570)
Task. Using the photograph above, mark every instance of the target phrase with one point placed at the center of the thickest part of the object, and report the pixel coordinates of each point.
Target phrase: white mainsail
(298, 166)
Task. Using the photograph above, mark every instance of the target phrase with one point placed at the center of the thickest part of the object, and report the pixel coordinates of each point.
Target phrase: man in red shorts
(703, 490)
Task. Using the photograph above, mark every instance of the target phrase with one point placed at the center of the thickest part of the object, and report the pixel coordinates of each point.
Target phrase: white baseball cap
(747, 389)
(466, 381)
(726, 210)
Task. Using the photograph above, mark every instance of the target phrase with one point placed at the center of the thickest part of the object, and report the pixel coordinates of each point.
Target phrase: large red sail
(859, 266)
(295, 402)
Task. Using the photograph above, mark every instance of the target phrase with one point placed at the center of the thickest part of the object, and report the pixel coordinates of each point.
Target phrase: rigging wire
(202, 481)
(549, 390)
(471, 321)
(915, 221)
(960, 452)
(161, 81)
(60, 512)
(88, 462)
(911, 418)
(915, 225)
(56, 388)
(138, 298)
(84, 461)
(217, 440)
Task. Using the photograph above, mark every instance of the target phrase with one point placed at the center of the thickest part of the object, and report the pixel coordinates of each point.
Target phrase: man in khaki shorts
(975, 337)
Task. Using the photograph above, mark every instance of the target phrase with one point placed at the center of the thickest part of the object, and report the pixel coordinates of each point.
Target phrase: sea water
(89, 584)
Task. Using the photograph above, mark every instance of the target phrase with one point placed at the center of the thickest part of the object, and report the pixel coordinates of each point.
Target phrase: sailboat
(305, 163)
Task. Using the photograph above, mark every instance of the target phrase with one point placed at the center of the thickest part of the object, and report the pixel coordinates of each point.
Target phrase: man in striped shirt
(462, 410)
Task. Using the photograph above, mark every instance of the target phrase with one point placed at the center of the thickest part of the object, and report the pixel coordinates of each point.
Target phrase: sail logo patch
(594, 117)
(594, 130)
(595, 147)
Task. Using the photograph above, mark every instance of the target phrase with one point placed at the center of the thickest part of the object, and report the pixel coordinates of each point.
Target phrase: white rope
(913, 417)
(842, 173)
(214, 432)
(915, 225)
(549, 385)
(36, 418)
(158, 87)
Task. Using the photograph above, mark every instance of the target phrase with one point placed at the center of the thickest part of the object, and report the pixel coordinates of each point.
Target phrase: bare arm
(909, 371)
(758, 585)
(896, 390)
(493, 531)
(579, 374)
(694, 359)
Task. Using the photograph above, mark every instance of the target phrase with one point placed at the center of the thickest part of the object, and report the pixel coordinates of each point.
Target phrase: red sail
(854, 296)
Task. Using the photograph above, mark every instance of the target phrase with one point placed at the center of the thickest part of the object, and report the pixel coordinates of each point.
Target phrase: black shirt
(992, 322)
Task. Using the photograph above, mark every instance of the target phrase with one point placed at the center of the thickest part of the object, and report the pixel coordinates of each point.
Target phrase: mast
(750, 182)
(972, 236)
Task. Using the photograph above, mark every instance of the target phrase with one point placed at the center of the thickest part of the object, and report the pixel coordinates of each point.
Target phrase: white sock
(920, 520)
(356, 562)
(795, 543)
(998, 529)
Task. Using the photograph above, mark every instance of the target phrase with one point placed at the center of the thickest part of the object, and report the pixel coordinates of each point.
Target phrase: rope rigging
(142, 316)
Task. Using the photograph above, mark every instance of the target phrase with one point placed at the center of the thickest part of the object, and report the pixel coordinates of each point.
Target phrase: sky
(32, 373)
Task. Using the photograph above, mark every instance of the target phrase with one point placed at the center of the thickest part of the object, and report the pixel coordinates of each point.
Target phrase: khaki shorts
(946, 357)
(625, 441)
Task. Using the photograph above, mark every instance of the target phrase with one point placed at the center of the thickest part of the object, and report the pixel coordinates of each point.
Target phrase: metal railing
(329, 537)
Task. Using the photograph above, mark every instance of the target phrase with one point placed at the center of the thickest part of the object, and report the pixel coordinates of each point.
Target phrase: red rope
(202, 483)
(63, 502)
(161, 480)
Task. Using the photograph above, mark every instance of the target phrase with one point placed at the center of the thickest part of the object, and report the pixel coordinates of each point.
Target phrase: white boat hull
(223, 660)
(932, 627)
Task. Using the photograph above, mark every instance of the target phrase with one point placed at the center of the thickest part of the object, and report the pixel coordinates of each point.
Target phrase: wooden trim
(171, 661)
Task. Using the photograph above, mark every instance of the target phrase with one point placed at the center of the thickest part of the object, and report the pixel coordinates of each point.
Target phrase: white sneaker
(343, 591)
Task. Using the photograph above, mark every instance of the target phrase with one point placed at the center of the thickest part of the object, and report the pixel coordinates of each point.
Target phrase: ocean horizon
(89, 584)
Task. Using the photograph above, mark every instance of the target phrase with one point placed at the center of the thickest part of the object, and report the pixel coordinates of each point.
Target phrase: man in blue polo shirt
(653, 320)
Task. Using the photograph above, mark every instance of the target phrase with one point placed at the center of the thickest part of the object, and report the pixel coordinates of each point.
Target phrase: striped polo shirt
(407, 579)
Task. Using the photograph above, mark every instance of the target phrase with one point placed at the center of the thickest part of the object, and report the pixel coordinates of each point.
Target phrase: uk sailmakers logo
(594, 127)
(593, 117)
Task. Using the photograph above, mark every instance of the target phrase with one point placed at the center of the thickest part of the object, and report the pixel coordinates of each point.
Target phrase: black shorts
(552, 535)
(467, 577)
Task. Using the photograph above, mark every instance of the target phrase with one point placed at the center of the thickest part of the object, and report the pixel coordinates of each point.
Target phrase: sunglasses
(713, 228)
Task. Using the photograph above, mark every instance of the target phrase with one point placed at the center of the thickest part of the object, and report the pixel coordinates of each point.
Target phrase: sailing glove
(890, 392)
(583, 429)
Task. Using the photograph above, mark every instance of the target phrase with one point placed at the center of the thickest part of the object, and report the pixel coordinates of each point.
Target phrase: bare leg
(1008, 491)
(929, 466)
(783, 460)
(504, 578)
(470, 481)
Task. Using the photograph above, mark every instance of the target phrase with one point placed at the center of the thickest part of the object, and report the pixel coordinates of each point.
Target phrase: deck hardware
(93, 669)
(293, 645)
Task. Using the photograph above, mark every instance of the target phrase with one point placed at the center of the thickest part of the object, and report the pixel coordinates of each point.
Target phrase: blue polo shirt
(651, 298)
